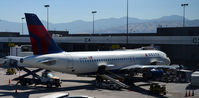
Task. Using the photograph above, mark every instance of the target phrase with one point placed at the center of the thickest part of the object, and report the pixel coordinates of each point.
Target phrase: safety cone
(192, 92)
(16, 89)
(186, 94)
(9, 81)
(189, 93)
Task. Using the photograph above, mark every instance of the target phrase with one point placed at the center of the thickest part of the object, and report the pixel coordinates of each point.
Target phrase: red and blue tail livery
(42, 42)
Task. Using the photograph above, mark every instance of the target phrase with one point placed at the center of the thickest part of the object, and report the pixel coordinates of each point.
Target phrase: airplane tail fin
(42, 42)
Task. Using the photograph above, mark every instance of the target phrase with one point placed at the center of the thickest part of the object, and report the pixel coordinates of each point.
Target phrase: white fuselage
(88, 62)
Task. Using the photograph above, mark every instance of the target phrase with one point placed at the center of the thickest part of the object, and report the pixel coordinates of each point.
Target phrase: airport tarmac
(84, 86)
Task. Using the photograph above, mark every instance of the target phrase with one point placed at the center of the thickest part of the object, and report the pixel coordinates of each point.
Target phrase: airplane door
(70, 68)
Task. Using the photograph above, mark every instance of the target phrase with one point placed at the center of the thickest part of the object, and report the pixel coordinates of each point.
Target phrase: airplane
(47, 55)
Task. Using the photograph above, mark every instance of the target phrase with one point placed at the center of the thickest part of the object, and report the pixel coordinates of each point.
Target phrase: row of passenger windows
(153, 54)
(98, 60)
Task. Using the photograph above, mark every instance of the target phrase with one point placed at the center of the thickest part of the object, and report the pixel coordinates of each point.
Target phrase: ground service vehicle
(157, 89)
(47, 78)
(11, 71)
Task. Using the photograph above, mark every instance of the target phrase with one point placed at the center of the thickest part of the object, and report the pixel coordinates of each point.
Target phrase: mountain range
(109, 25)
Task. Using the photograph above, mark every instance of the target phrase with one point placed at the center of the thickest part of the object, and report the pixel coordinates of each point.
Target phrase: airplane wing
(151, 67)
(17, 58)
(149, 71)
(141, 68)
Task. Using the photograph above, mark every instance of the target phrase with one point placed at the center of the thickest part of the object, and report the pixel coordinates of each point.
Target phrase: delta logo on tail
(41, 41)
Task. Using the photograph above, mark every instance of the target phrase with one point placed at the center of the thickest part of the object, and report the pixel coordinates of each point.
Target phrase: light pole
(93, 12)
(22, 24)
(47, 6)
(127, 21)
(184, 5)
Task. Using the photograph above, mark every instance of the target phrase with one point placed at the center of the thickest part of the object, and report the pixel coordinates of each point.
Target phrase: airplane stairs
(107, 79)
(115, 81)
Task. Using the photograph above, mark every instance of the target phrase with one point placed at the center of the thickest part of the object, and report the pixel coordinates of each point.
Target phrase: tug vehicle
(47, 78)
(157, 89)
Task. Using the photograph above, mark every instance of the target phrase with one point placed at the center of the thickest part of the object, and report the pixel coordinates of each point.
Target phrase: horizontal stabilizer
(48, 62)
(17, 58)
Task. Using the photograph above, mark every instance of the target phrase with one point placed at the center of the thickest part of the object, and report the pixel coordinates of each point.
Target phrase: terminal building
(181, 44)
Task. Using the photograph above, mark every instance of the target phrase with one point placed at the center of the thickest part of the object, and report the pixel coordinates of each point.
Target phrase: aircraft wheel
(57, 85)
(97, 84)
(49, 85)
(111, 87)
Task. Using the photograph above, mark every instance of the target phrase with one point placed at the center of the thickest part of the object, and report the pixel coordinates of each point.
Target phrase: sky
(62, 11)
